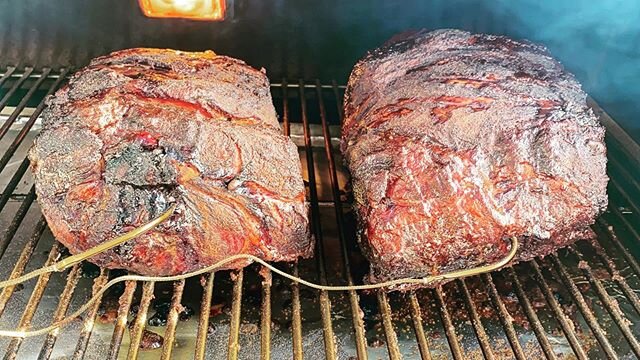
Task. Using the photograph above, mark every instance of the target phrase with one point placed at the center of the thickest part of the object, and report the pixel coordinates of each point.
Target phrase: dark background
(599, 41)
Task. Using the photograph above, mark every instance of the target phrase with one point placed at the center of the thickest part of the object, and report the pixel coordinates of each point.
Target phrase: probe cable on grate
(74, 259)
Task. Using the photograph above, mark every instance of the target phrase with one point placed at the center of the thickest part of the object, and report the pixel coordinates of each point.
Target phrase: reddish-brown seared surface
(456, 142)
(141, 129)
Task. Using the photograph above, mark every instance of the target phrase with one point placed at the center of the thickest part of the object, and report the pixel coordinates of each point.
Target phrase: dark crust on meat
(457, 141)
(140, 129)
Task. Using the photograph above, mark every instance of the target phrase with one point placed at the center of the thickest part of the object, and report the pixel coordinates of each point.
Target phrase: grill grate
(582, 302)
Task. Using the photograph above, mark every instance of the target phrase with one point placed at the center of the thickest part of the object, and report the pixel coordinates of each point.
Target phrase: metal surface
(265, 319)
(580, 303)
(358, 324)
(172, 320)
(203, 323)
(89, 318)
(447, 323)
(140, 322)
(416, 317)
(63, 305)
(505, 317)
(121, 320)
(325, 305)
(234, 328)
(481, 333)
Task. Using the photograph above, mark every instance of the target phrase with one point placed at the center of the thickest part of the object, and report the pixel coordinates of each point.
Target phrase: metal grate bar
(327, 327)
(504, 316)
(205, 310)
(620, 136)
(625, 253)
(12, 184)
(37, 75)
(285, 84)
(17, 220)
(614, 204)
(236, 307)
(358, 323)
(313, 192)
(626, 223)
(296, 318)
(61, 310)
(15, 87)
(7, 75)
(387, 325)
(447, 323)
(265, 316)
(481, 333)
(616, 277)
(416, 317)
(124, 304)
(531, 316)
(23, 102)
(172, 320)
(32, 304)
(584, 309)
(141, 320)
(22, 261)
(29, 124)
(565, 323)
(628, 198)
(325, 304)
(609, 303)
(90, 317)
(286, 126)
(625, 174)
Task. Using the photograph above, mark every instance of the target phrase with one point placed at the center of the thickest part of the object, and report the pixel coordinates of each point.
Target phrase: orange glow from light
(185, 9)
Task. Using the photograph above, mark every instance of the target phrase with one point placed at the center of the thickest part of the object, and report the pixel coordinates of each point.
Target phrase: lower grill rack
(582, 302)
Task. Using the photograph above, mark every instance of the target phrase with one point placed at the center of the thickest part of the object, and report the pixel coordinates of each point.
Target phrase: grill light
(211, 10)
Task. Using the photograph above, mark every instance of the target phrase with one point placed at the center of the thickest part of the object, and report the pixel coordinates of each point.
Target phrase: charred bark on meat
(456, 142)
(141, 129)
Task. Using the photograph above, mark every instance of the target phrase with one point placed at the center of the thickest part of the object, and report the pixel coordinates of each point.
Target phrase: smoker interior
(579, 303)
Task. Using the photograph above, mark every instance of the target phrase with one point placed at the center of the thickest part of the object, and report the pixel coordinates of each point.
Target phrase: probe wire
(74, 259)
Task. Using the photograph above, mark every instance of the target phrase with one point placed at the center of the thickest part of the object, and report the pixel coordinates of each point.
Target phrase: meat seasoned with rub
(141, 129)
(457, 142)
